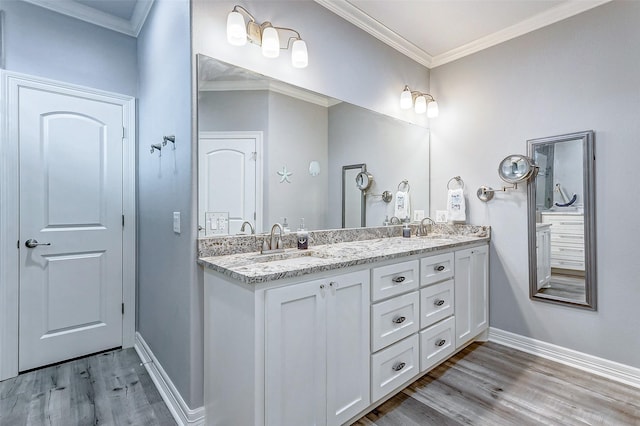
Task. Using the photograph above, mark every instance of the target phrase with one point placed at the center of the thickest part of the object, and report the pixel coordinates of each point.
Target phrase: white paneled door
(70, 237)
(229, 180)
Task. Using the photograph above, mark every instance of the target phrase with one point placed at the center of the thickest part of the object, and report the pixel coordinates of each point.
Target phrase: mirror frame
(587, 139)
(363, 204)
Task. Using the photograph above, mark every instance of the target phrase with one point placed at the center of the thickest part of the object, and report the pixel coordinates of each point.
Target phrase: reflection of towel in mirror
(456, 206)
(403, 205)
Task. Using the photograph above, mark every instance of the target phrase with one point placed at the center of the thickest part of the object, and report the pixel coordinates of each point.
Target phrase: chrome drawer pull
(399, 366)
(399, 320)
(439, 268)
(438, 302)
(441, 342)
(398, 279)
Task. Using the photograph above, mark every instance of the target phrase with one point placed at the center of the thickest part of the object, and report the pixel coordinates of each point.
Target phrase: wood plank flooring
(491, 384)
(110, 388)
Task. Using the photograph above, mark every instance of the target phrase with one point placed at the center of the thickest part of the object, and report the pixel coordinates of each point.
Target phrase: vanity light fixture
(421, 102)
(265, 35)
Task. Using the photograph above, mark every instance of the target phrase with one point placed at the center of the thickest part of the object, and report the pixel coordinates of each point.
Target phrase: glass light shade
(236, 29)
(299, 55)
(406, 100)
(421, 105)
(432, 109)
(270, 43)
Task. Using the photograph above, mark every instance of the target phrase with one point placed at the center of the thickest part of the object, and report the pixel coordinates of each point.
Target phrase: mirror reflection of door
(353, 213)
(229, 182)
(560, 225)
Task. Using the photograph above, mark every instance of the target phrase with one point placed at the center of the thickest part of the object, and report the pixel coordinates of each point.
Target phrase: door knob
(31, 243)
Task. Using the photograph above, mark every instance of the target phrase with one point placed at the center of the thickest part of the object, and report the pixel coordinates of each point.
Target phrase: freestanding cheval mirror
(561, 208)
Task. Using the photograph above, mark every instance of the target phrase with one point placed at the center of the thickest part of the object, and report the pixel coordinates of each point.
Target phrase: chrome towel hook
(155, 147)
(170, 138)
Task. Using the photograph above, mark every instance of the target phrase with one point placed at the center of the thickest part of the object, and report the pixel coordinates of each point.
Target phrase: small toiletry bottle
(303, 236)
(406, 231)
(285, 226)
(386, 221)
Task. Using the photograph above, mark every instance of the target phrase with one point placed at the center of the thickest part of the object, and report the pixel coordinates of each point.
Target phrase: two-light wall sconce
(265, 35)
(421, 102)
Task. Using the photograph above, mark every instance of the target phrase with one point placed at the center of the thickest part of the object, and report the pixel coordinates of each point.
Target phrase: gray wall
(169, 298)
(47, 44)
(579, 74)
(297, 135)
(393, 151)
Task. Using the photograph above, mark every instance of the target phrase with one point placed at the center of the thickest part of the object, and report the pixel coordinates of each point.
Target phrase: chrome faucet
(394, 220)
(250, 227)
(275, 244)
(424, 229)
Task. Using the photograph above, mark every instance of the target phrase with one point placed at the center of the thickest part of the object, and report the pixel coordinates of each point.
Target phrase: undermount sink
(288, 257)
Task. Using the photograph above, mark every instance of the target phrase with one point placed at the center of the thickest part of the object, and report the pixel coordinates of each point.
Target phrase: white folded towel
(403, 205)
(456, 206)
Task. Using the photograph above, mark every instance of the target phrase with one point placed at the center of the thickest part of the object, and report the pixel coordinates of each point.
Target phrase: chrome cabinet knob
(398, 279)
(439, 268)
(438, 302)
(441, 342)
(399, 366)
(399, 320)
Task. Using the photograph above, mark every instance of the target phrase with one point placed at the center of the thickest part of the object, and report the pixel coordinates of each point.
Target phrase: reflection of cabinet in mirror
(567, 241)
(543, 253)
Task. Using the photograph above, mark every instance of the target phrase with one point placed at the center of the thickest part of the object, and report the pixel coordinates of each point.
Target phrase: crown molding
(274, 86)
(357, 17)
(88, 14)
(363, 21)
(536, 22)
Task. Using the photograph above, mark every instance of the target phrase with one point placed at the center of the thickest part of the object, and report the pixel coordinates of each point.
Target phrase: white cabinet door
(471, 293)
(295, 364)
(317, 351)
(348, 375)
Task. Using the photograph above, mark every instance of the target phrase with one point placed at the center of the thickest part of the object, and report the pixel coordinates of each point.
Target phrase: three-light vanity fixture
(265, 35)
(421, 102)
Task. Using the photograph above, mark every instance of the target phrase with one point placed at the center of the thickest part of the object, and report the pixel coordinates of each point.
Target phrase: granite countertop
(253, 268)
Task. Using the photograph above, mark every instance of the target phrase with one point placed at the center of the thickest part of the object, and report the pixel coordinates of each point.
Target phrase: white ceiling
(432, 32)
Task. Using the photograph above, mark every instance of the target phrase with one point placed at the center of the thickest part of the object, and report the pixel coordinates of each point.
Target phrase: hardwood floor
(110, 388)
(485, 384)
(491, 384)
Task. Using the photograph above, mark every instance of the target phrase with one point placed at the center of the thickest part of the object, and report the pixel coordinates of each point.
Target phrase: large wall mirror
(268, 150)
(561, 202)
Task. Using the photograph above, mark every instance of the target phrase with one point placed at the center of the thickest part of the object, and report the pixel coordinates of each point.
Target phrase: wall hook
(155, 147)
(171, 139)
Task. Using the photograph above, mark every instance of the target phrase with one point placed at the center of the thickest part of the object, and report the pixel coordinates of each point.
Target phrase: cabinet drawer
(391, 280)
(567, 264)
(394, 319)
(394, 366)
(436, 303)
(437, 343)
(436, 268)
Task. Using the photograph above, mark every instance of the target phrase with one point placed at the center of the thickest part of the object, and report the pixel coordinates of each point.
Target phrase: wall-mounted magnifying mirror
(364, 180)
(561, 209)
(516, 168)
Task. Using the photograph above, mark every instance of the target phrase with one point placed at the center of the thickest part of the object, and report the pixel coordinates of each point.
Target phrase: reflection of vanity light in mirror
(422, 102)
(266, 36)
(514, 169)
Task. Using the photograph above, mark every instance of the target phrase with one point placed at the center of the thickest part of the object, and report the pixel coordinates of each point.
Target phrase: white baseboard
(602, 367)
(179, 409)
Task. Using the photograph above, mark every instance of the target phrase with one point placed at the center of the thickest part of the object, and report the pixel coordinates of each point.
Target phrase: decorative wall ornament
(285, 175)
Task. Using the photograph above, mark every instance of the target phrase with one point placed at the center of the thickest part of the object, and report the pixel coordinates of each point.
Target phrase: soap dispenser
(406, 231)
(303, 236)
(285, 226)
